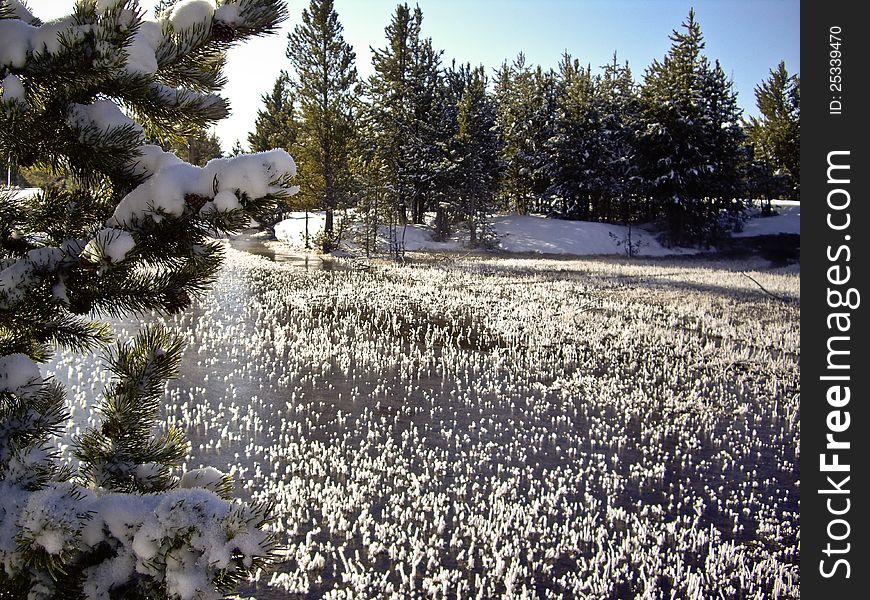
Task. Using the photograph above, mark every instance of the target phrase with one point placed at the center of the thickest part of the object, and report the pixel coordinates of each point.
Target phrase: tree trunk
(329, 200)
(327, 230)
(402, 209)
(419, 208)
(442, 222)
(307, 245)
(472, 229)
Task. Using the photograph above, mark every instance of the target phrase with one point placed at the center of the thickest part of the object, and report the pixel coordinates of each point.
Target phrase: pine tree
(616, 94)
(691, 139)
(573, 158)
(198, 148)
(388, 92)
(455, 80)
(277, 123)
(760, 180)
(427, 137)
(775, 136)
(724, 139)
(129, 233)
(474, 155)
(326, 87)
(406, 108)
(526, 101)
(591, 156)
(371, 188)
(277, 126)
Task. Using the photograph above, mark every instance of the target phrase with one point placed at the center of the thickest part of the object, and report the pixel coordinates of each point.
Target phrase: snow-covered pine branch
(130, 230)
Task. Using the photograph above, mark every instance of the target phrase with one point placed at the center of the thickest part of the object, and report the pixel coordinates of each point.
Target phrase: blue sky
(749, 37)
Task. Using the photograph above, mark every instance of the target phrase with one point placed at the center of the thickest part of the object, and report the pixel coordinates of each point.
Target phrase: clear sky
(749, 37)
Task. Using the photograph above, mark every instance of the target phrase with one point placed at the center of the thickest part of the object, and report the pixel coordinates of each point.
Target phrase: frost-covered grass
(510, 428)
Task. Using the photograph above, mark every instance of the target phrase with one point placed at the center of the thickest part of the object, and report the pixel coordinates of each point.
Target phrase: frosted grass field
(503, 428)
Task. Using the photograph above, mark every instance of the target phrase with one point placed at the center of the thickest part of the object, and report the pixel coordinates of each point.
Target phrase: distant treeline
(576, 142)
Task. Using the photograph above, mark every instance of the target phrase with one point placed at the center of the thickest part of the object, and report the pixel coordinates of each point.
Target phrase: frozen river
(473, 427)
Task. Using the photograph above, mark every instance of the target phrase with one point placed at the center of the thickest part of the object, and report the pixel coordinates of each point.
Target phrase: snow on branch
(18, 277)
(167, 192)
(19, 375)
(12, 90)
(187, 26)
(98, 123)
(189, 540)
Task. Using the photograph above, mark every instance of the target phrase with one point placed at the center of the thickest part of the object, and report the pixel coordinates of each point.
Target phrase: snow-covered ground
(786, 220)
(537, 234)
(515, 234)
(21, 192)
(541, 235)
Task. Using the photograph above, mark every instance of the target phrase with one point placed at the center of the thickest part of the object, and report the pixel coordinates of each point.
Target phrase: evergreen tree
(277, 124)
(691, 140)
(775, 136)
(455, 80)
(327, 78)
(388, 92)
(526, 100)
(760, 180)
(129, 233)
(197, 149)
(373, 195)
(573, 158)
(724, 141)
(405, 94)
(474, 154)
(616, 94)
(592, 153)
(427, 136)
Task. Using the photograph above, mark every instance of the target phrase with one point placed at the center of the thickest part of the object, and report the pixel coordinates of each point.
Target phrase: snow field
(516, 233)
(786, 220)
(540, 235)
(503, 428)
